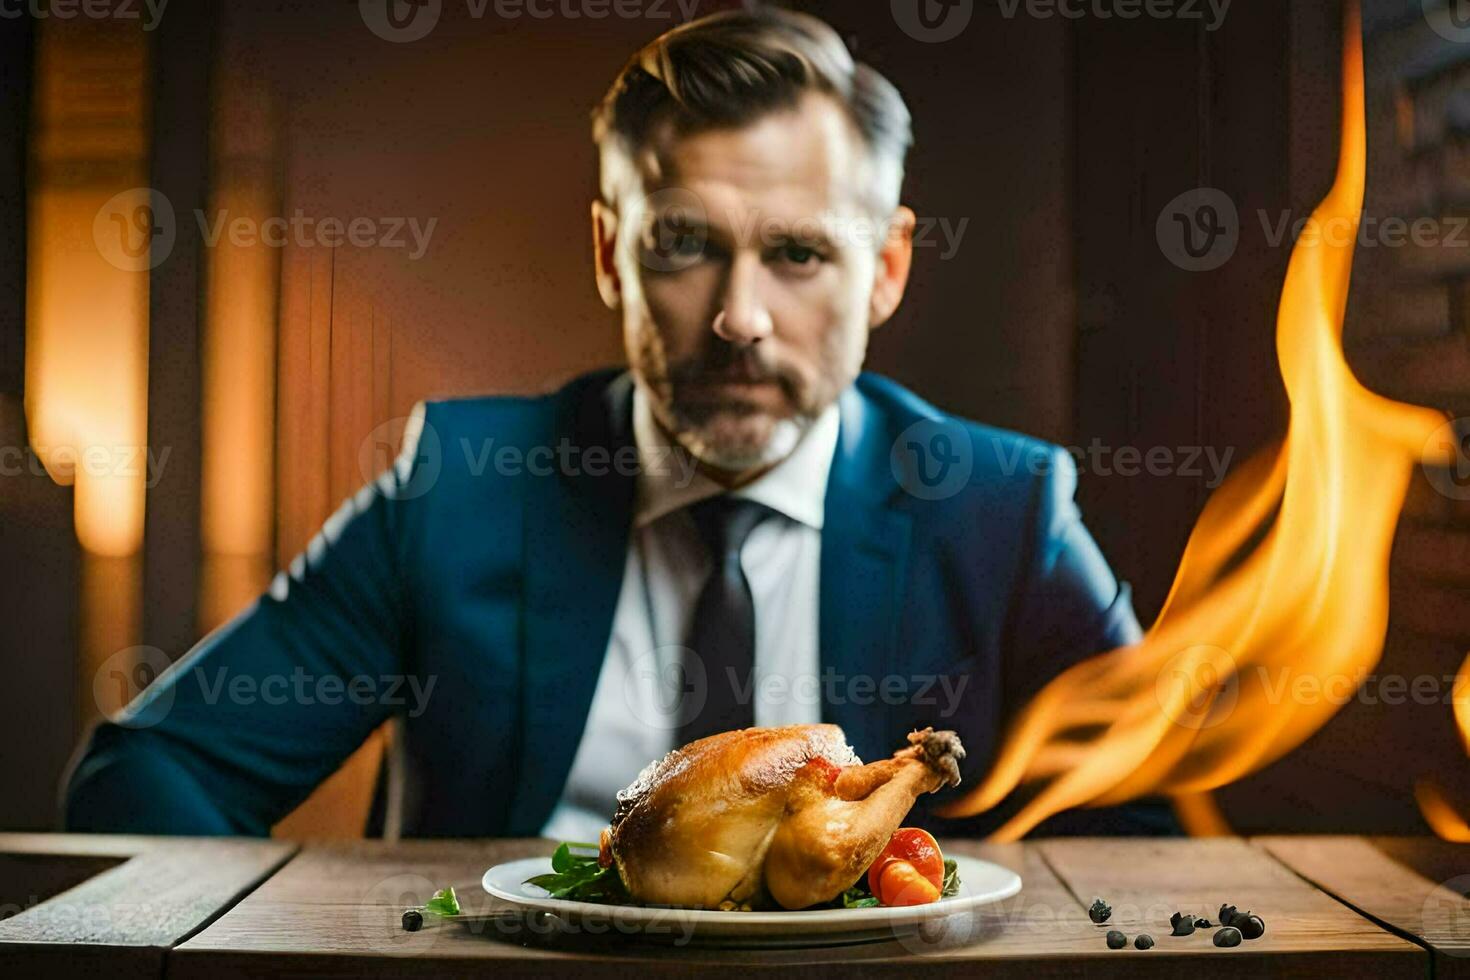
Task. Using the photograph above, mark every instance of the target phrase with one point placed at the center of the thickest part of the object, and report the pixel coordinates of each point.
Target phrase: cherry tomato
(902, 884)
(919, 852)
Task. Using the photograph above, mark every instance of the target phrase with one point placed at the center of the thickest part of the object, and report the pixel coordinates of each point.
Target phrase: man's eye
(675, 245)
(800, 255)
(687, 244)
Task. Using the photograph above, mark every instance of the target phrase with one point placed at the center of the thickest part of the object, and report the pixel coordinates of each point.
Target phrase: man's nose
(745, 320)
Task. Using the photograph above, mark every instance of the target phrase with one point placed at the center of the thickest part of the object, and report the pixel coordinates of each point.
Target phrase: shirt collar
(796, 486)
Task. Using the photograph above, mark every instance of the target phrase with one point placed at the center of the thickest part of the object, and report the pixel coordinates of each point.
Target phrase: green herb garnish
(578, 876)
(444, 902)
(951, 885)
(858, 896)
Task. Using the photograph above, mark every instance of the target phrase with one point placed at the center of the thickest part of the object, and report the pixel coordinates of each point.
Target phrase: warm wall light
(242, 270)
(93, 231)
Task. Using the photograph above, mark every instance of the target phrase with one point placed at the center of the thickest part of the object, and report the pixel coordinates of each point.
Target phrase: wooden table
(217, 909)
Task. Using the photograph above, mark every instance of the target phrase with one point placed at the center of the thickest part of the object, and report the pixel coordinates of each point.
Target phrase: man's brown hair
(728, 70)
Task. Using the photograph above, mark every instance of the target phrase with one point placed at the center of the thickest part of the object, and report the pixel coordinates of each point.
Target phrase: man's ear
(891, 276)
(604, 251)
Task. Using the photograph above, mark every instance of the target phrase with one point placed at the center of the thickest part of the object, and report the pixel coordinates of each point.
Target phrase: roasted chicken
(761, 816)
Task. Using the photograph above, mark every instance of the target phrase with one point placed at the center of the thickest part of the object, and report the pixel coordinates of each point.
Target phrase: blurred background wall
(269, 382)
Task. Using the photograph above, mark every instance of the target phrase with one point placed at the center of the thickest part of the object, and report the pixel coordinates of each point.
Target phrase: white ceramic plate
(981, 883)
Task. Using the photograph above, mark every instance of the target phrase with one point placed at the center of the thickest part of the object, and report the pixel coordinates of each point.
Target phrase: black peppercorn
(1116, 940)
(1227, 915)
(1100, 911)
(1250, 926)
(1228, 936)
(413, 920)
(1144, 941)
(1201, 923)
(1183, 924)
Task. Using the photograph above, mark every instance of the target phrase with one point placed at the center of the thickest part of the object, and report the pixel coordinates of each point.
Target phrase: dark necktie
(723, 631)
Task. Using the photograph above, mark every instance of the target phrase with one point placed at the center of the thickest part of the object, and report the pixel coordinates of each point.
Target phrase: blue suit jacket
(500, 589)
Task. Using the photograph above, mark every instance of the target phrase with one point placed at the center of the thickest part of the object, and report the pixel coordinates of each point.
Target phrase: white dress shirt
(636, 708)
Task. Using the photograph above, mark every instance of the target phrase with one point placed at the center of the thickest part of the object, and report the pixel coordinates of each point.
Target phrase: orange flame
(1438, 812)
(1215, 689)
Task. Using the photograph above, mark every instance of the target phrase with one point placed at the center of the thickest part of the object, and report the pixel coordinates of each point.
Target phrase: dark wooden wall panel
(182, 59)
(38, 550)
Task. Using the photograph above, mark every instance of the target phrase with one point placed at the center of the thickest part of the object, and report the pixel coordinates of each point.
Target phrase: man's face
(749, 269)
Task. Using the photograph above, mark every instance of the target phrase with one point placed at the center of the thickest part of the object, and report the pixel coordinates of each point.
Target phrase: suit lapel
(865, 544)
(576, 540)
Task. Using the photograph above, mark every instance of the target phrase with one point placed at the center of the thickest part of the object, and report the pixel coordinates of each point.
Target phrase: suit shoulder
(998, 457)
(486, 412)
(510, 416)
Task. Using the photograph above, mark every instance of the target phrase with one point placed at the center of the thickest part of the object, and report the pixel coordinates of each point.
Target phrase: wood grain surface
(214, 909)
(122, 921)
(1415, 887)
(335, 910)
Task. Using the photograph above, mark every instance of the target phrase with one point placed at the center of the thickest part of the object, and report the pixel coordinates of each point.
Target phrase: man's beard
(735, 443)
(734, 433)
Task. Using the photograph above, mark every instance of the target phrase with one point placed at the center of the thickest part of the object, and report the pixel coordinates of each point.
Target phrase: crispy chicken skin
(749, 818)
